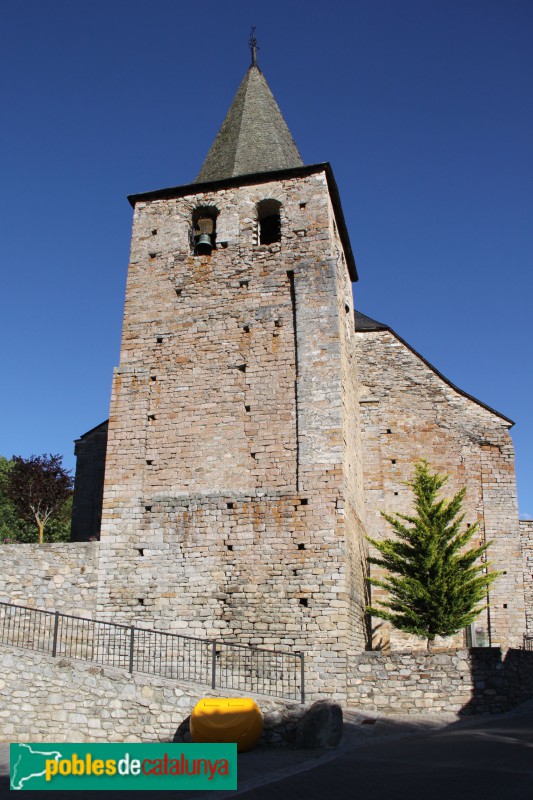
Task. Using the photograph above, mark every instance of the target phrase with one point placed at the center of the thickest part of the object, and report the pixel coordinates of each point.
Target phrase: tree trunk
(41, 531)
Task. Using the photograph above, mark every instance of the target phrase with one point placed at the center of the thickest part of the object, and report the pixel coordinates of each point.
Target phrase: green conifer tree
(434, 584)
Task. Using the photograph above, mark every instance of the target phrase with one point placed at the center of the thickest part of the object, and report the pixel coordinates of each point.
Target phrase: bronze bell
(203, 245)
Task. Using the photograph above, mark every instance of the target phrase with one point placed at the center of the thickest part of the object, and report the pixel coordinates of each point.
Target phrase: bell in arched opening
(204, 230)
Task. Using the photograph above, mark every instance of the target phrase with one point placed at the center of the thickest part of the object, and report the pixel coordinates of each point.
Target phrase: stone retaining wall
(48, 699)
(476, 681)
(55, 577)
(59, 700)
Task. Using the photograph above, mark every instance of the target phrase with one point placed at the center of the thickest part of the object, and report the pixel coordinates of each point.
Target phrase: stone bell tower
(233, 499)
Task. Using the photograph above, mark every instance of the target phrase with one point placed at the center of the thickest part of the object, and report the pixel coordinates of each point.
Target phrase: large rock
(320, 726)
(183, 733)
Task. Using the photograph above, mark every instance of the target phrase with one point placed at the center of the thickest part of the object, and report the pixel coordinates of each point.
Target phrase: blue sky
(423, 107)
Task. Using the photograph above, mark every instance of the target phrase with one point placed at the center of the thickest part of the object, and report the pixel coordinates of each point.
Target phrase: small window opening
(278, 323)
(304, 601)
(154, 232)
(295, 572)
(301, 546)
(246, 328)
(178, 292)
(505, 605)
(303, 205)
(159, 339)
(149, 461)
(151, 417)
(153, 378)
(254, 455)
(204, 230)
(393, 461)
(140, 600)
(243, 284)
(148, 508)
(268, 221)
(347, 308)
(242, 367)
(247, 408)
(153, 255)
(229, 546)
(304, 501)
(270, 230)
(389, 430)
(229, 505)
(140, 550)
(396, 493)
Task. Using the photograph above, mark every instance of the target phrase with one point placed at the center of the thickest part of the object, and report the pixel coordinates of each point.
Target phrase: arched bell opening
(268, 222)
(204, 230)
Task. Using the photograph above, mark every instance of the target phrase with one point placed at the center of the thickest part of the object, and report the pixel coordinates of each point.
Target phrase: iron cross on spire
(254, 47)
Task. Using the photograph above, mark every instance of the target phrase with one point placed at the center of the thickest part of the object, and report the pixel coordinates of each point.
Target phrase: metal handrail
(215, 662)
(528, 641)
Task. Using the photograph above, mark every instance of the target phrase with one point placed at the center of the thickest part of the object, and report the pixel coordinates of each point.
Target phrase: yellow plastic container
(227, 719)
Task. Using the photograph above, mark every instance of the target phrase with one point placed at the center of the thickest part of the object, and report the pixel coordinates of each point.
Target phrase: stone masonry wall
(476, 681)
(59, 700)
(54, 577)
(526, 535)
(353, 508)
(408, 412)
(65, 700)
(90, 451)
(226, 493)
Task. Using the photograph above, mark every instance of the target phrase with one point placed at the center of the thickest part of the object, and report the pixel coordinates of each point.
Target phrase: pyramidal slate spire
(254, 137)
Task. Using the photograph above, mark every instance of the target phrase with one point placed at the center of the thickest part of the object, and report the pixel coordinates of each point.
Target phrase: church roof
(364, 323)
(254, 137)
(101, 428)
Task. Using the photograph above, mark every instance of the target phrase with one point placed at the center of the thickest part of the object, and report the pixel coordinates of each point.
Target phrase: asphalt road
(490, 758)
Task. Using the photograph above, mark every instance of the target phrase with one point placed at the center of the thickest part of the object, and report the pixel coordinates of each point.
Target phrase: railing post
(302, 679)
(56, 630)
(132, 641)
(213, 663)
